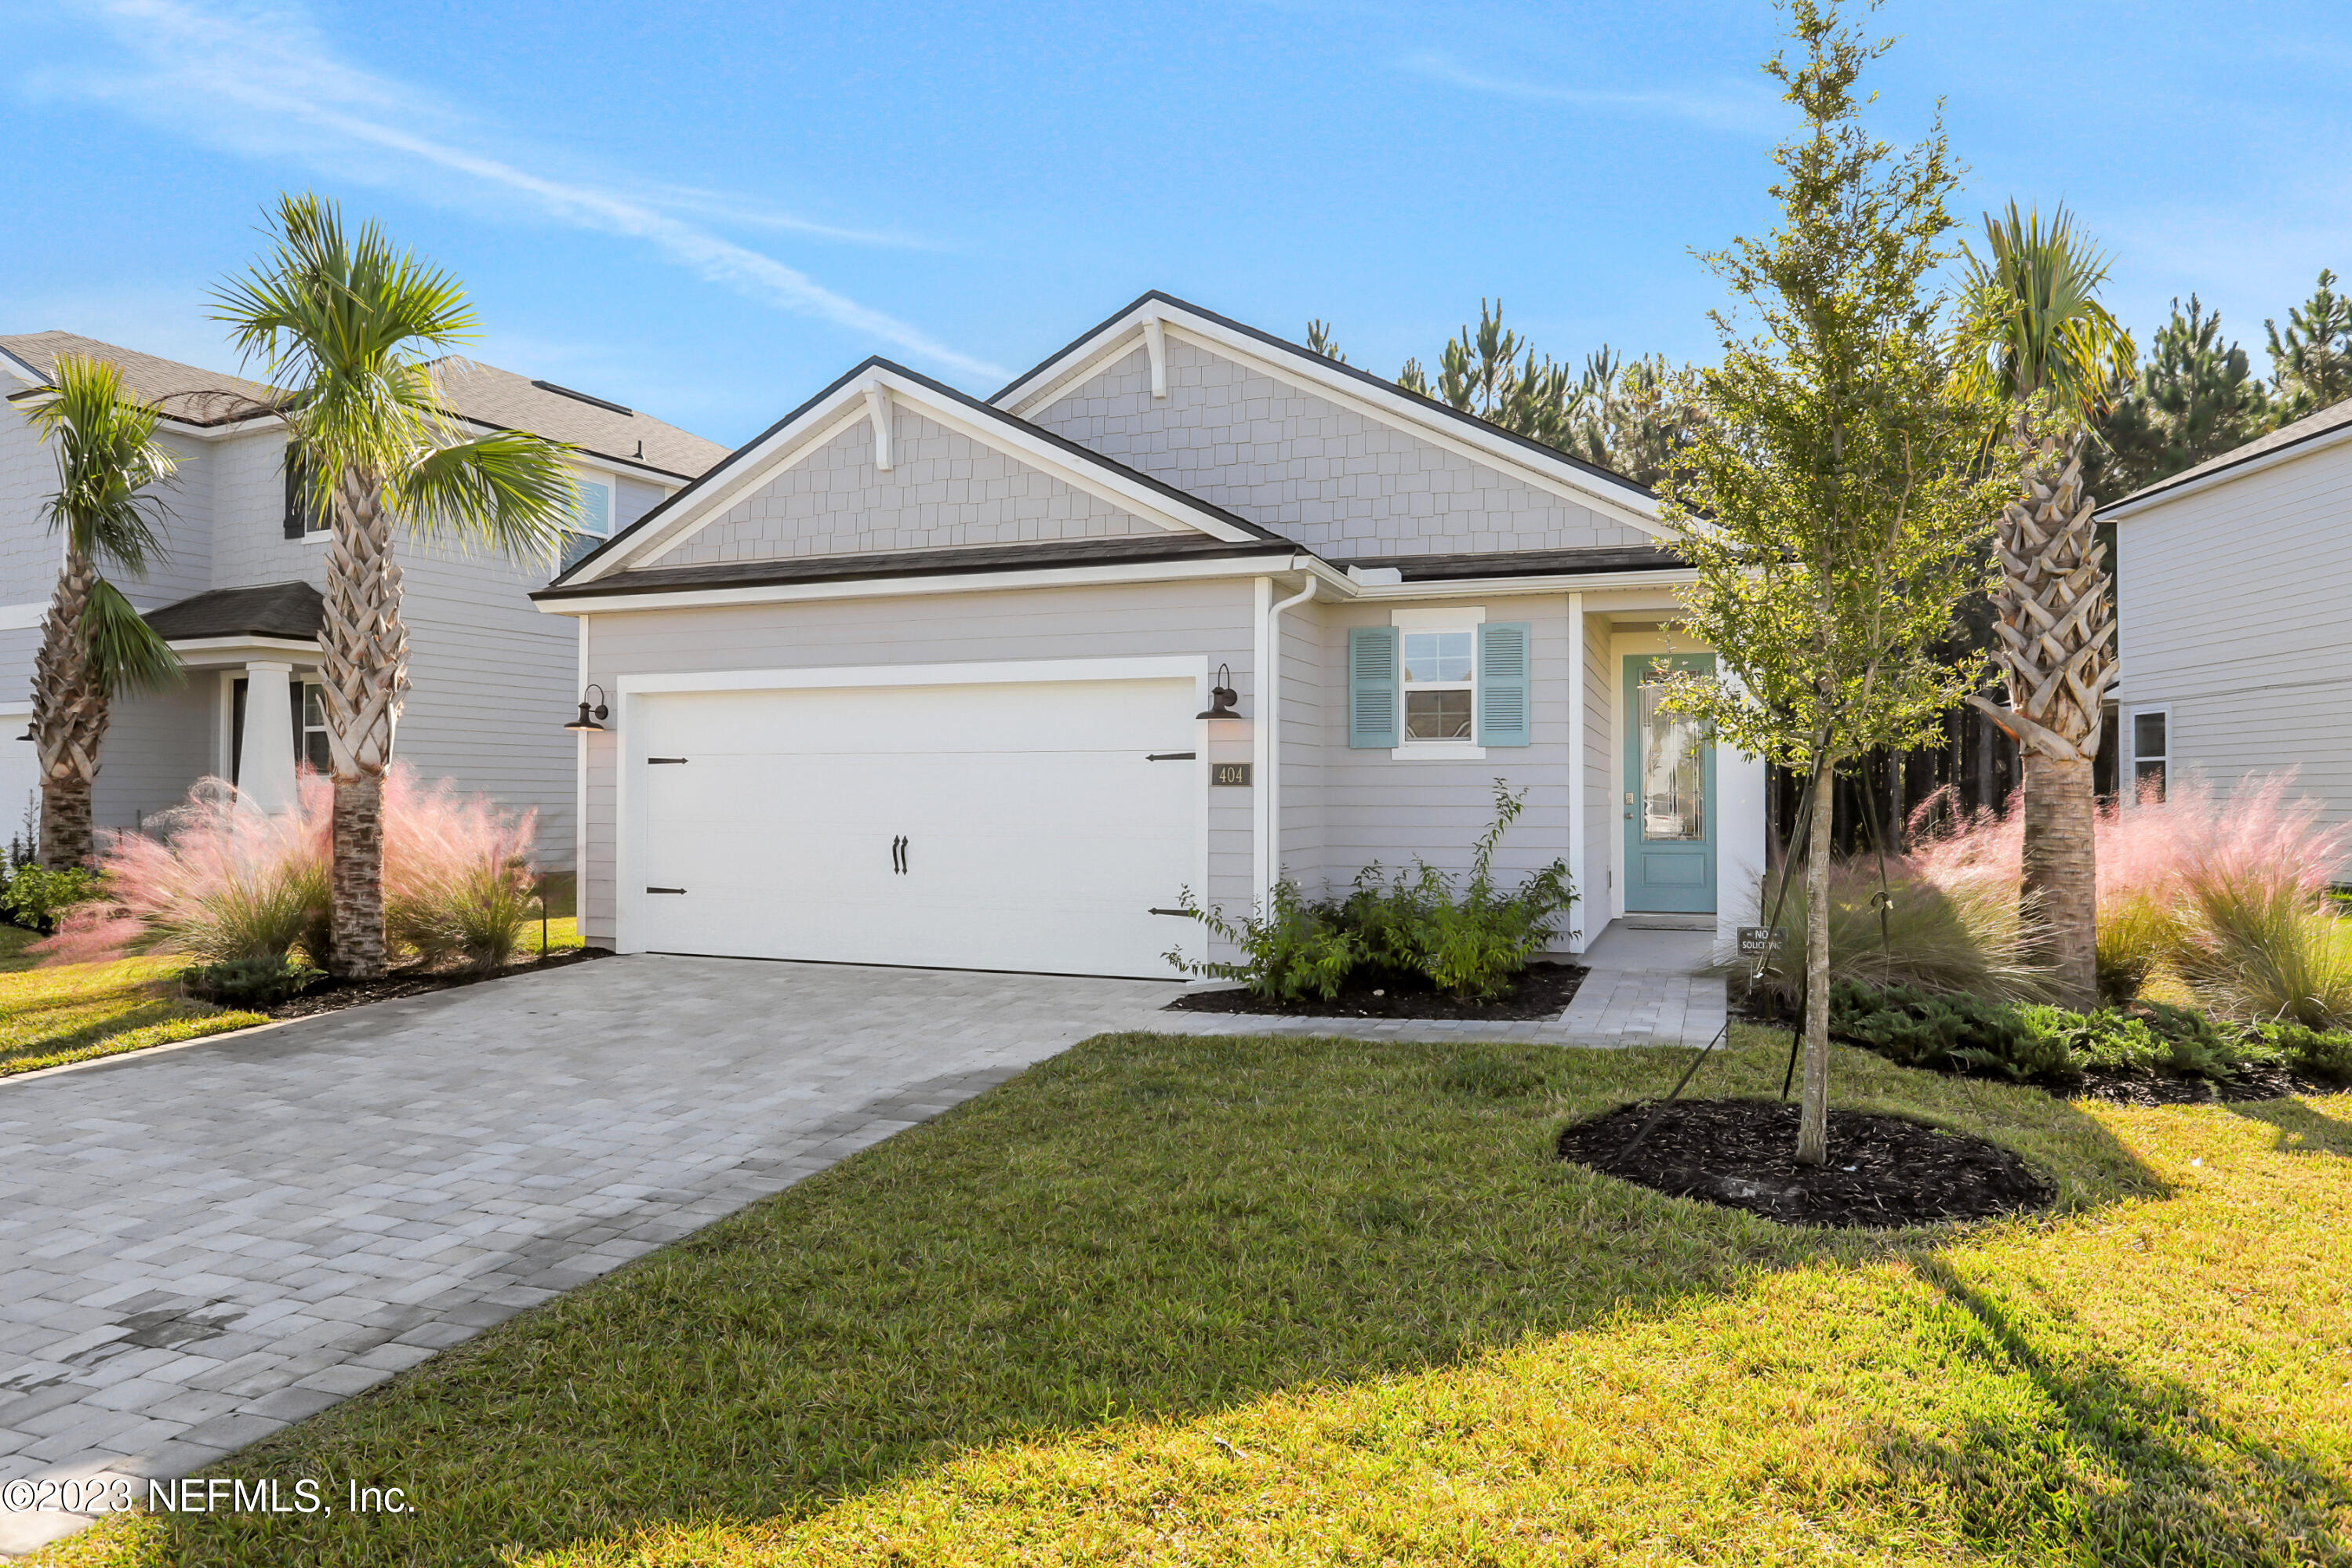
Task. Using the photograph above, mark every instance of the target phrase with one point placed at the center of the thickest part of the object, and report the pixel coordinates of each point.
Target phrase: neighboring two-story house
(2239, 659)
(492, 680)
(916, 679)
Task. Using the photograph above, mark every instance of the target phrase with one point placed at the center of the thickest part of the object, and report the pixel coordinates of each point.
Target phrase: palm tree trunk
(69, 714)
(1814, 1119)
(363, 669)
(2057, 627)
(2060, 891)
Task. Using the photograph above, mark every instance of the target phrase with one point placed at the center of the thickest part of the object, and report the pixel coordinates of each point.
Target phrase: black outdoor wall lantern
(1222, 696)
(590, 717)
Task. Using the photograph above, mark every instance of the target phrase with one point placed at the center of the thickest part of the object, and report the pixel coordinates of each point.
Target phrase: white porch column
(1579, 655)
(265, 757)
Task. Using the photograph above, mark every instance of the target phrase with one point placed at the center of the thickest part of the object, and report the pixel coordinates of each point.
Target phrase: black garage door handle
(665, 889)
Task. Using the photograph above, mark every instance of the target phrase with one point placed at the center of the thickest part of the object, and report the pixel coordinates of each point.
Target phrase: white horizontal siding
(2234, 607)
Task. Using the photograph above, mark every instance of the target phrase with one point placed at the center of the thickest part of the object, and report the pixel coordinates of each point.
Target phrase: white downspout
(1580, 652)
(1269, 716)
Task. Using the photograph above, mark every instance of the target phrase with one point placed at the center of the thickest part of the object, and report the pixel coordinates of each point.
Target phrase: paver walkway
(198, 1249)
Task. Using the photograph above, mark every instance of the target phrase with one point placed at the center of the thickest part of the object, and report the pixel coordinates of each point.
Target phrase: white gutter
(1268, 737)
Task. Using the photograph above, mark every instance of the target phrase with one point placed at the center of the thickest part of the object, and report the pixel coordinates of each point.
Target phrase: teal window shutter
(1503, 683)
(1371, 688)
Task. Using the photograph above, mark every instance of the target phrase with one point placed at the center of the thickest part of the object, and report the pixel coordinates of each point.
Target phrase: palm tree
(2039, 341)
(94, 646)
(353, 329)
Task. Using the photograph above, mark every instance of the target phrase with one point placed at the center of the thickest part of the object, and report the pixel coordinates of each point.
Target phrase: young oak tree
(1826, 499)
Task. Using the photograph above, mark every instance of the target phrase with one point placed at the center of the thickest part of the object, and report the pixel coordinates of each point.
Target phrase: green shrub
(1472, 944)
(2319, 1053)
(1917, 1028)
(2150, 1036)
(249, 982)
(36, 895)
(1949, 1033)
(1291, 951)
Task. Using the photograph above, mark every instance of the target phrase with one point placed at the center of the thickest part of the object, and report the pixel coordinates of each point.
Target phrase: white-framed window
(2151, 752)
(311, 721)
(1437, 688)
(592, 516)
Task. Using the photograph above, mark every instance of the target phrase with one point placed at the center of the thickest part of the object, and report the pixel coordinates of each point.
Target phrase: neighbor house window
(311, 722)
(1440, 670)
(592, 520)
(306, 501)
(2151, 752)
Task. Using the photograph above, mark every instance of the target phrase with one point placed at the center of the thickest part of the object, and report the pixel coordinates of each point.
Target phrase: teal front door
(1669, 796)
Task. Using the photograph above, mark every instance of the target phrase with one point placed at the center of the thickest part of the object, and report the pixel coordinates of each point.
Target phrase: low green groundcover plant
(35, 896)
(249, 982)
(1967, 1034)
(1472, 942)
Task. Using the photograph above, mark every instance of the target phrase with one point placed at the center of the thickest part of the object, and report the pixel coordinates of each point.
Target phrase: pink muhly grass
(216, 881)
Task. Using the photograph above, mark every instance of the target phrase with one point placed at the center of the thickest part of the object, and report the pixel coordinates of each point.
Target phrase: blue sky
(709, 211)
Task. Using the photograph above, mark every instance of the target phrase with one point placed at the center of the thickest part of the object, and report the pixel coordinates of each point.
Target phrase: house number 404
(1230, 774)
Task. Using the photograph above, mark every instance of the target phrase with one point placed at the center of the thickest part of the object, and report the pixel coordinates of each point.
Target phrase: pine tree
(2311, 362)
(2196, 397)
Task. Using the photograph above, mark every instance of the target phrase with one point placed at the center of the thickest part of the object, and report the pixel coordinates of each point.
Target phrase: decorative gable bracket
(1155, 344)
(878, 409)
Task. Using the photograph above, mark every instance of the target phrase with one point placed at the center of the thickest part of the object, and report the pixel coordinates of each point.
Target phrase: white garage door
(1017, 827)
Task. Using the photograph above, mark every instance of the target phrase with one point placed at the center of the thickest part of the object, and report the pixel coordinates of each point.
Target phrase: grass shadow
(1146, 1226)
(2302, 1128)
(2085, 1462)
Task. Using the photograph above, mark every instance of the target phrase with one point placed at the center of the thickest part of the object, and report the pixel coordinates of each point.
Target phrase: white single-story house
(2239, 661)
(916, 679)
(237, 595)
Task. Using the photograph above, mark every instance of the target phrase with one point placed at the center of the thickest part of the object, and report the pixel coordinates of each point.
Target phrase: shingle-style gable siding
(1327, 477)
(943, 488)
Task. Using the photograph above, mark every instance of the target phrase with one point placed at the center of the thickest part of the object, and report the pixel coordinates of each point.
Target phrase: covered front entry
(973, 824)
(1670, 795)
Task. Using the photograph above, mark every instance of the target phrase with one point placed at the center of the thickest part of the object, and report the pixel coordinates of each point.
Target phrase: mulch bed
(2251, 1083)
(1541, 993)
(1882, 1171)
(333, 996)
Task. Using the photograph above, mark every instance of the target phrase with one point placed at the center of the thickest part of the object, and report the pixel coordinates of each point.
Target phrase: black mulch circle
(1542, 991)
(1882, 1171)
(333, 996)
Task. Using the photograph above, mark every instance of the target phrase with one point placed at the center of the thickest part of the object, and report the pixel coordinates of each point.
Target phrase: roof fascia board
(846, 405)
(21, 370)
(2256, 464)
(1124, 335)
(957, 582)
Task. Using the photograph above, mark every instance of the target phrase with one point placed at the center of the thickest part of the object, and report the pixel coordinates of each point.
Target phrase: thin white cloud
(260, 77)
(1727, 108)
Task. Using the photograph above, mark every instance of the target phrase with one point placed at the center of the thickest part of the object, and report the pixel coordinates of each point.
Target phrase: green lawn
(74, 1012)
(1193, 1300)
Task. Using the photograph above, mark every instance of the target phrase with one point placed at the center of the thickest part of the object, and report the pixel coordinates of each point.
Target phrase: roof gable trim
(1465, 436)
(878, 384)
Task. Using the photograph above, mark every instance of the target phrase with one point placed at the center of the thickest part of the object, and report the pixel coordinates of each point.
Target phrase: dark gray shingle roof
(292, 610)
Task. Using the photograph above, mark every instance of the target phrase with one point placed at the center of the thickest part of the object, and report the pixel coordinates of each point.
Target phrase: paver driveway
(199, 1248)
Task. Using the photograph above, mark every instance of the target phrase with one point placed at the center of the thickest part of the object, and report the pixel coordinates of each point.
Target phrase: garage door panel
(1037, 835)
